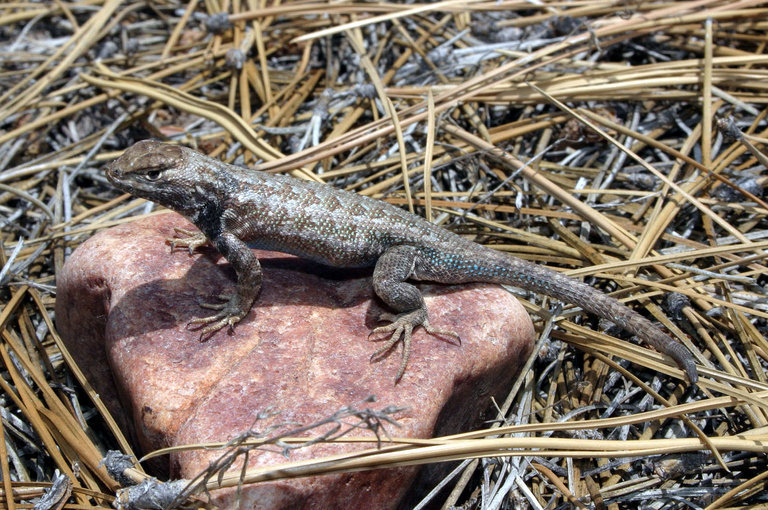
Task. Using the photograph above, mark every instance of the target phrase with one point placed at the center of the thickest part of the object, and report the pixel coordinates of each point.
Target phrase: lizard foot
(229, 315)
(402, 327)
(192, 241)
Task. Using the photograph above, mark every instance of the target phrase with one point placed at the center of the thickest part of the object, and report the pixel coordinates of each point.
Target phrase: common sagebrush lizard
(237, 208)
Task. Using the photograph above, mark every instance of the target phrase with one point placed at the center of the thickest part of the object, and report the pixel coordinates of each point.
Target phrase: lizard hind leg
(395, 266)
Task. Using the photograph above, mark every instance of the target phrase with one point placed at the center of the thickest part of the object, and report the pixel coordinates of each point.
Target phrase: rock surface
(123, 302)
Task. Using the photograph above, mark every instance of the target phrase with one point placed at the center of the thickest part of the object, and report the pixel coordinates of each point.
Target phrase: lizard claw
(229, 315)
(192, 241)
(402, 326)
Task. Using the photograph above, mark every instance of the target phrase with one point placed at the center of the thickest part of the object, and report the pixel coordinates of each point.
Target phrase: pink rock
(123, 303)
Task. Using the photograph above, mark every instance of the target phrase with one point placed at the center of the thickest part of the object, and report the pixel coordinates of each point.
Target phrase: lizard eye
(153, 175)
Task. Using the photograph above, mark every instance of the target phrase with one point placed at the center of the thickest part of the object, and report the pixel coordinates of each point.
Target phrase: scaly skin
(236, 207)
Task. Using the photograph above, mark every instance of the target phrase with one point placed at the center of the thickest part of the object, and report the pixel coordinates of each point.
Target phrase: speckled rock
(123, 303)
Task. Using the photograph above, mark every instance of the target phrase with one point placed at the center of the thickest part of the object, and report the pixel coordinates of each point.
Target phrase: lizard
(237, 209)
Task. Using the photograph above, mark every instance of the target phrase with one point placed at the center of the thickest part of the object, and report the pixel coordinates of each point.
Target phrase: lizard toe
(384, 329)
(401, 327)
(227, 305)
(401, 332)
(388, 317)
(192, 240)
(394, 338)
(441, 332)
(215, 323)
(229, 314)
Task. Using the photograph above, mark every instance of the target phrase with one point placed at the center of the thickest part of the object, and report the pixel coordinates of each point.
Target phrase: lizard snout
(113, 172)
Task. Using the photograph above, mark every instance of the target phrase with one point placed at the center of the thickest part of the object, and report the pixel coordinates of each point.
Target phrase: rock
(123, 303)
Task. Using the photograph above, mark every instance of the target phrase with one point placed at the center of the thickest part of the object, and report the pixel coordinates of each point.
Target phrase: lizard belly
(327, 252)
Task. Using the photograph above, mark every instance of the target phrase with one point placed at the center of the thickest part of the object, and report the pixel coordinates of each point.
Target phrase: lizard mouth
(114, 177)
(114, 180)
(110, 174)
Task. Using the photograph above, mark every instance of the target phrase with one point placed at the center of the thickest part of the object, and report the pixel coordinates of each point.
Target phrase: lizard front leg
(248, 270)
(395, 266)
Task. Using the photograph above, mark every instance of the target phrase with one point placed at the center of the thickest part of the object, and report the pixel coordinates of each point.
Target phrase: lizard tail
(521, 273)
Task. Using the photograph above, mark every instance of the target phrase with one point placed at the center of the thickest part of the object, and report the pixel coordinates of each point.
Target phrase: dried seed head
(218, 23)
(235, 59)
(728, 127)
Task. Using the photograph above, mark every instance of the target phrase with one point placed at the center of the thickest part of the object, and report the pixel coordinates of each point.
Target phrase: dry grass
(476, 115)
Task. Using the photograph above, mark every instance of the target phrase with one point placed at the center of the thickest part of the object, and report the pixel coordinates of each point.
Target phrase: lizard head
(155, 171)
